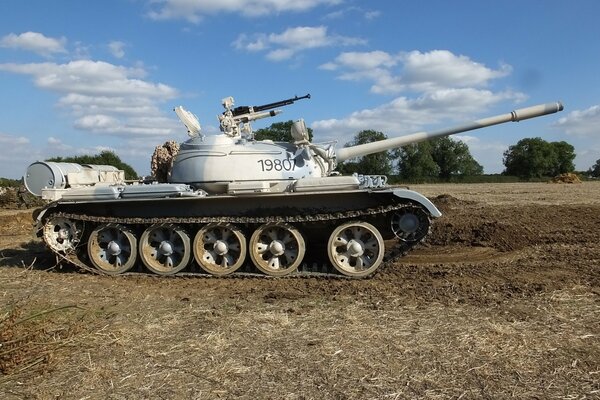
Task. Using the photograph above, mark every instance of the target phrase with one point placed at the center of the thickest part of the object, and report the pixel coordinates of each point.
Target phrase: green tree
(535, 158)
(594, 171)
(371, 164)
(565, 155)
(106, 157)
(453, 158)
(7, 182)
(441, 157)
(415, 161)
(279, 132)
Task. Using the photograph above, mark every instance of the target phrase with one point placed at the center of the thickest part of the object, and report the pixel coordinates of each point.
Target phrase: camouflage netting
(162, 160)
(566, 178)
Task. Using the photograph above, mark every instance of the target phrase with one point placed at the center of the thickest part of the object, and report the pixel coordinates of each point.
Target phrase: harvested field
(503, 301)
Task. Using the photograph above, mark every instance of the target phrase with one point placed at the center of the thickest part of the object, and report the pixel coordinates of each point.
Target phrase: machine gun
(232, 118)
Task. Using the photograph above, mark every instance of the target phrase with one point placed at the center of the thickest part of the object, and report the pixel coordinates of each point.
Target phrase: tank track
(321, 270)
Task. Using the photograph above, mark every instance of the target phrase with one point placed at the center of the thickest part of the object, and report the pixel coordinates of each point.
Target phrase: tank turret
(228, 204)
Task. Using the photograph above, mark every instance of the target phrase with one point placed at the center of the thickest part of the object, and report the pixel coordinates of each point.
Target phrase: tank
(229, 204)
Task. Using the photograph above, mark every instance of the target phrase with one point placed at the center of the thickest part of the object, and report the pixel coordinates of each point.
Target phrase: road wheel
(220, 249)
(356, 249)
(277, 249)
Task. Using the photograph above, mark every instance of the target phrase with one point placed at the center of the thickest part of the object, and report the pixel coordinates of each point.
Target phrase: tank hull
(314, 216)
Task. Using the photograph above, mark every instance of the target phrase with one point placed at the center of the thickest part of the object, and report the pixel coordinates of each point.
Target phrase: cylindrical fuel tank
(61, 175)
(48, 174)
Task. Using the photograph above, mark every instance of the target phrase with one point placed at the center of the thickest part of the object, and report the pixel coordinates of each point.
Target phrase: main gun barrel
(388, 144)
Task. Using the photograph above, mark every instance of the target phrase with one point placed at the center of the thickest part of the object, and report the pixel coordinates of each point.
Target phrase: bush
(104, 158)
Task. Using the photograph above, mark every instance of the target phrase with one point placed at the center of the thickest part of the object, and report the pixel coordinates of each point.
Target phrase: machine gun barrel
(247, 109)
(388, 144)
(245, 118)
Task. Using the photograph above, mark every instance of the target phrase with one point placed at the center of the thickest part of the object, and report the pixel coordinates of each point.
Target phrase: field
(502, 301)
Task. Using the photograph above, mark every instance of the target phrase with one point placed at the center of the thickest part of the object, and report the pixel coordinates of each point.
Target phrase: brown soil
(502, 301)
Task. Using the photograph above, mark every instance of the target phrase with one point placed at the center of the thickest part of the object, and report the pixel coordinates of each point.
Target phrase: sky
(78, 77)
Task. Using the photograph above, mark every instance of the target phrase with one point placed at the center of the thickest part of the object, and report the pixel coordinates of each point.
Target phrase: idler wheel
(277, 249)
(220, 249)
(112, 249)
(410, 224)
(356, 249)
(61, 234)
(165, 249)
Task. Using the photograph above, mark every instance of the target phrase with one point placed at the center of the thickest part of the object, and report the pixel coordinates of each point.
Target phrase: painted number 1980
(267, 165)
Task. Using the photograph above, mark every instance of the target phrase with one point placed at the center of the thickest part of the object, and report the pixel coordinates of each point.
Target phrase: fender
(419, 198)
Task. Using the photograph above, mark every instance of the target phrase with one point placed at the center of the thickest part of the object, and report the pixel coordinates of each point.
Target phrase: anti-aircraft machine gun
(232, 204)
(231, 119)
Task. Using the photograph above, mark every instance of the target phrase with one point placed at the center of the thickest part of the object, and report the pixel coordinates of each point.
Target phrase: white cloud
(280, 54)
(96, 78)
(55, 145)
(364, 61)
(138, 126)
(328, 66)
(441, 69)
(104, 98)
(581, 122)
(584, 128)
(587, 157)
(82, 104)
(194, 10)
(404, 115)
(369, 15)
(431, 88)
(117, 48)
(36, 42)
(14, 161)
(282, 46)
(81, 51)
(413, 71)
(10, 141)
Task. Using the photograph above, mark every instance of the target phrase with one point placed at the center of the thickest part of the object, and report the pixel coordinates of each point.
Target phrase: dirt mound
(449, 200)
(468, 224)
(566, 178)
(496, 234)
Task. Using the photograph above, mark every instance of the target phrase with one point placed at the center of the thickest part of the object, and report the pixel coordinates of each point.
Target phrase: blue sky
(77, 77)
